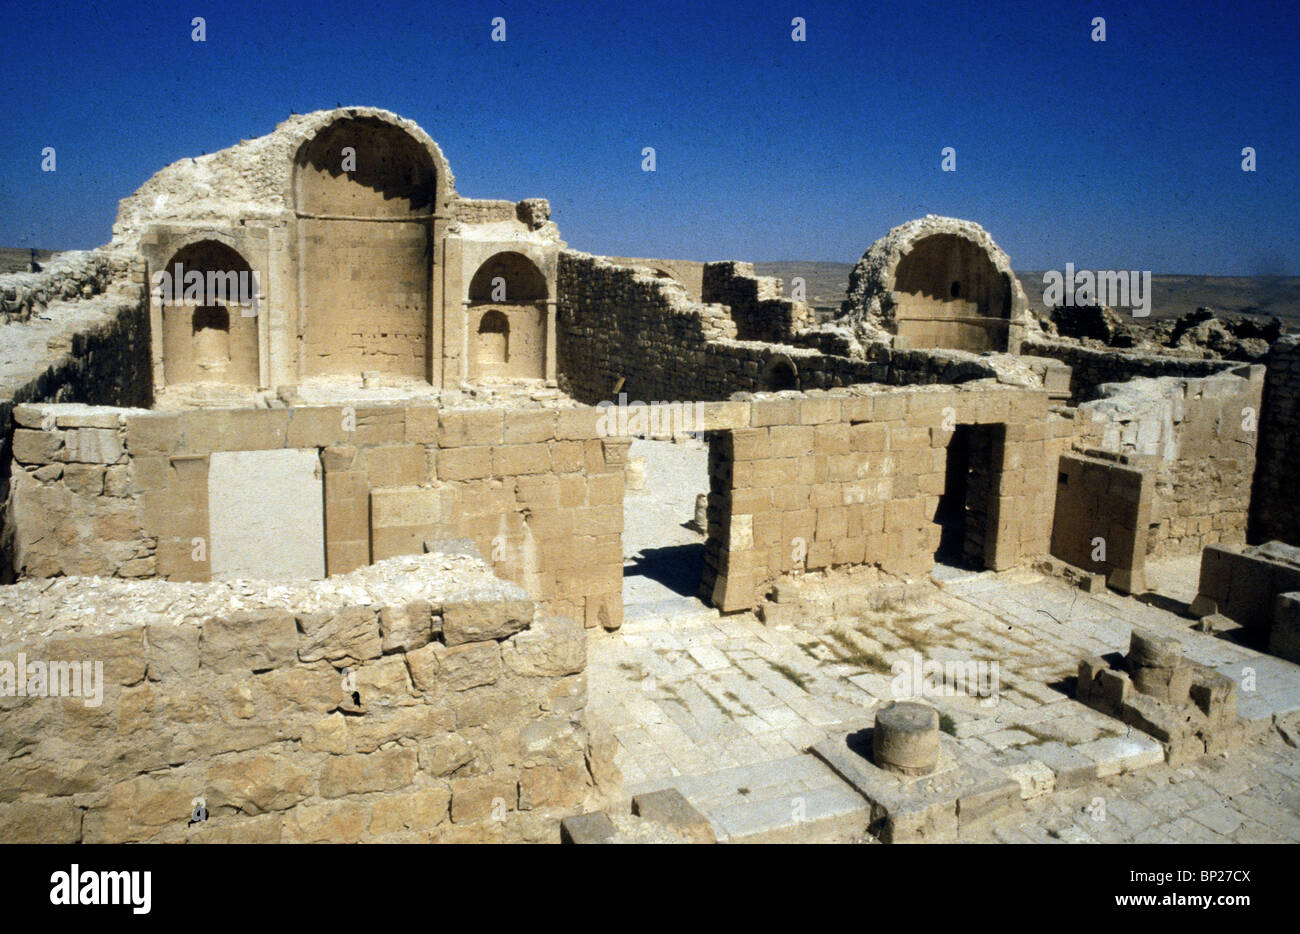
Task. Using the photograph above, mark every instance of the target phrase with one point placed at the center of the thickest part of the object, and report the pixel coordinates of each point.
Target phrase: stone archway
(365, 193)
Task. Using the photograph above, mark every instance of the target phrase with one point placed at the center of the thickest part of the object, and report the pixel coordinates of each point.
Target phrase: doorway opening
(970, 482)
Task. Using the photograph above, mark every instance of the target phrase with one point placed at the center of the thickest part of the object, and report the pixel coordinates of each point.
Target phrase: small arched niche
(780, 374)
(209, 323)
(507, 307)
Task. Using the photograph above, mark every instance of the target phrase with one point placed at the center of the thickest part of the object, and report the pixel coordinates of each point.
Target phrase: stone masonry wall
(1102, 519)
(1275, 507)
(758, 309)
(1092, 366)
(854, 476)
(91, 347)
(125, 493)
(1197, 439)
(616, 324)
(418, 700)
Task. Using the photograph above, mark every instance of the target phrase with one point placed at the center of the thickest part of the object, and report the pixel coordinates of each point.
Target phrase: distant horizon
(1118, 154)
(788, 262)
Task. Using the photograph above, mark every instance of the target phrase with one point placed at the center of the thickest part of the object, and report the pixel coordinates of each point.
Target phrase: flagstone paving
(725, 708)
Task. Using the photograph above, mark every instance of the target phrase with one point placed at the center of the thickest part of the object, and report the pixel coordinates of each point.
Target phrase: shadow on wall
(948, 293)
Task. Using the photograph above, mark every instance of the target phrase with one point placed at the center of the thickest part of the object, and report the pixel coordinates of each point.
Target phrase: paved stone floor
(725, 708)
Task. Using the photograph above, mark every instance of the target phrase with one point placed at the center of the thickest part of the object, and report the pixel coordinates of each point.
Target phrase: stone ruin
(228, 495)
(1189, 708)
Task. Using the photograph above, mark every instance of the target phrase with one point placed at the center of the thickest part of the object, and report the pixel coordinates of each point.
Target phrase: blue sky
(1122, 154)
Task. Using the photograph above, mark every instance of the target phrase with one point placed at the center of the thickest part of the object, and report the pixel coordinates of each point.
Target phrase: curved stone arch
(216, 341)
(509, 326)
(364, 167)
(310, 129)
(780, 373)
(524, 279)
(367, 230)
(665, 272)
(875, 292)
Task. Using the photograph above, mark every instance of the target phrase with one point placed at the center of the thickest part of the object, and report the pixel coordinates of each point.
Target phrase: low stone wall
(1275, 507)
(1092, 366)
(417, 700)
(855, 476)
(71, 275)
(94, 350)
(126, 493)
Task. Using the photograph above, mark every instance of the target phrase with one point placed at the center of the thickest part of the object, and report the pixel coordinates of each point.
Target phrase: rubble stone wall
(1275, 507)
(1092, 366)
(854, 476)
(618, 324)
(758, 309)
(419, 700)
(115, 492)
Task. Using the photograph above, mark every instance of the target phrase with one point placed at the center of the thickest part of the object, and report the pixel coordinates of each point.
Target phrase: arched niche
(209, 324)
(365, 192)
(507, 309)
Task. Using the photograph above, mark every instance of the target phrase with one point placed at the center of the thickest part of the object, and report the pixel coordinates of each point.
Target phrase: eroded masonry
(327, 466)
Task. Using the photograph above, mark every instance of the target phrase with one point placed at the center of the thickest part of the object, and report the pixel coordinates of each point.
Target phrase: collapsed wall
(756, 304)
(625, 330)
(1160, 467)
(417, 700)
(1092, 367)
(1196, 439)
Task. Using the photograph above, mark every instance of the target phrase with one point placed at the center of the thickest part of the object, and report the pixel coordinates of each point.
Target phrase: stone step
(796, 799)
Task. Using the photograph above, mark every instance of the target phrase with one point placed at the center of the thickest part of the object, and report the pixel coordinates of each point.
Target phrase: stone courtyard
(726, 709)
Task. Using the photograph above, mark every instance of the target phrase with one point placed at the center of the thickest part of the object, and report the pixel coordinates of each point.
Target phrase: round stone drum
(906, 738)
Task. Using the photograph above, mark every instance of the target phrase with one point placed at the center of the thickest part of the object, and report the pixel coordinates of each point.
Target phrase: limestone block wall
(1275, 507)
(1102, 519)
(418, 700)
(93, 349)
(1091, 366)
(126, 493)
(855, 476)
(1197, 438)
